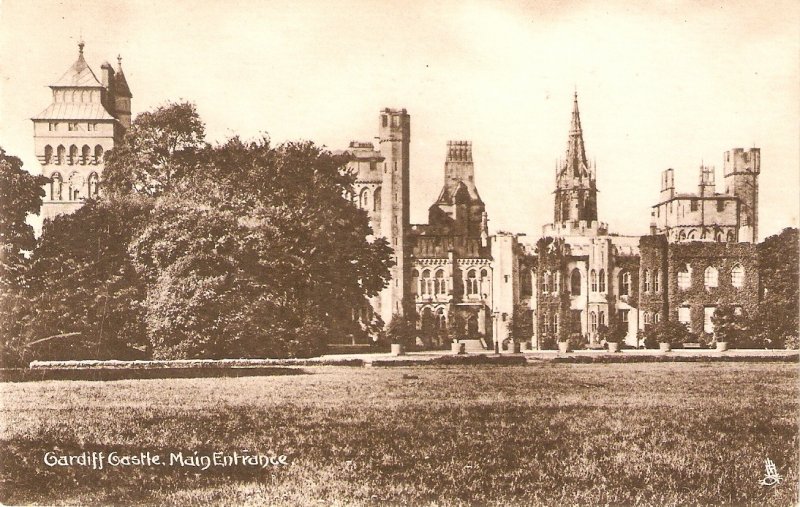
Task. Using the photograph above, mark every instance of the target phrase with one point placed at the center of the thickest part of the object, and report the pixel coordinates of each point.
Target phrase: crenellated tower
(741, 169)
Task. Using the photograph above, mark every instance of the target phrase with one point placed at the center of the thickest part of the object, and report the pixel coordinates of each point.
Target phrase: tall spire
(576, 164)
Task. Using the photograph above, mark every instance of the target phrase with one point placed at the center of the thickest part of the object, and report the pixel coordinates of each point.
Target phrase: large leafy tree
(85, 298)
(159, 149)
(21, 195)
(256, 254)
(776, 320)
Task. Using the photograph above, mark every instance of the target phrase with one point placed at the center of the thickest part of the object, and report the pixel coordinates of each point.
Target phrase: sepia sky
(660, 84)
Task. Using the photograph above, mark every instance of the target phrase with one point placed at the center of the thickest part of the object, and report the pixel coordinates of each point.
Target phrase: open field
(548, 434)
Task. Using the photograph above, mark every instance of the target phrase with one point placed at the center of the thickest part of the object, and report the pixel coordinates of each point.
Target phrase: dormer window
(72, 126)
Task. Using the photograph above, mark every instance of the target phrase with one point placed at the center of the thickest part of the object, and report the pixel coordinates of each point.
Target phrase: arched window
(646, 282)
(546, 282)
(602, 280)
(682, 236)
(48, 154)
(656, 317)
(656, 280)
(691, 234)
(441, 318)
(546, 323)
(685, 277)
(731, 237)
(415, 288)
(484, 281)
(602, 319)
(737, 276)
(56, 187)
(575, 282)
(593, 321)
(557, 282)
(439, 284)
(710, 277)
(472, 283)
(74, 187)
(98, 154)
(73, 154)
(625, 284)
(94, 185)
(555, 323)
(363, 199)
(86, 152)
(719, 238)
(427, 283)
(593, 279)
(646, 318)
(376, 201)
(61, 152)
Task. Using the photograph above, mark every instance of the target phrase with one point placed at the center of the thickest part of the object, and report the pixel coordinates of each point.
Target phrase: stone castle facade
(700, 251)
(77, 130)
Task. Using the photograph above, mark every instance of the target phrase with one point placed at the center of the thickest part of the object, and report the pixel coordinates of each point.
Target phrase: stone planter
(457, 348)
(613, 347)
(664, 347)
(563, 347)
(398, 349)
(722, 346)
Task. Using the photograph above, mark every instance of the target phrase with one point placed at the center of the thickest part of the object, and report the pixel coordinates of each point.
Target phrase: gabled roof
(79, 74)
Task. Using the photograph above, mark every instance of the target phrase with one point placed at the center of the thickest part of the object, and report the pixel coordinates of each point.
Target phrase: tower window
(737, 276)
(710, 277)
(625, 286)
(575, 282)
(720, 205)
(656, 280)
(693, 205)
(72, 126)
(602, 280)
(685, 278)
(593, 280)
(52, 126)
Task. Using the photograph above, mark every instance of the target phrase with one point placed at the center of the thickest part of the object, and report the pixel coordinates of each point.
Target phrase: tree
(615, 333)
(21, 194)
(257, 238)
(776, 318)
(729, 326)
(81, 282)
(456, 326)
(400, 330)
(160, 149)
(520, 324)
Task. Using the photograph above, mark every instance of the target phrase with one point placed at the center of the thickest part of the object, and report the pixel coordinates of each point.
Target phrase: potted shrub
(669, 334)
(399, 333)
(563, 344)
(456, 331)
(615, 335)
(729, 327)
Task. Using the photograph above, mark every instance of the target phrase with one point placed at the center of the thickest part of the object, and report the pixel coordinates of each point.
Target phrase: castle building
(75, 133)
(577, 277)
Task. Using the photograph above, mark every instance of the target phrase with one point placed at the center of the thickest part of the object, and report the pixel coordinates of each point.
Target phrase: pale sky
(660, 84)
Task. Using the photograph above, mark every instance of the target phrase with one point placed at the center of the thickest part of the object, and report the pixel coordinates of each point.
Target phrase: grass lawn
(549, 434)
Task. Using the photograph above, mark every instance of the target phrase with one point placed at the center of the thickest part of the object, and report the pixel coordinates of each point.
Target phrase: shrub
(400, 330)
(668, 331)
(577, 341)
(729, 326)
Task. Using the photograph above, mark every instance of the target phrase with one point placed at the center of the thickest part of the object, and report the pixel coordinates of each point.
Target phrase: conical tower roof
(120, 83)
(575, 163)
(79, 74)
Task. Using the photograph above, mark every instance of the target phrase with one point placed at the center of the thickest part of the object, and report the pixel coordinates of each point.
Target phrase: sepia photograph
(434, 253)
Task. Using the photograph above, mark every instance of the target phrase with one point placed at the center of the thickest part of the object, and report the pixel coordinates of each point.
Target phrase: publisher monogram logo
(772, 477)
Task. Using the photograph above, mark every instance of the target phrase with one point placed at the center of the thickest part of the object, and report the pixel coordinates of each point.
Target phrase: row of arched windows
(550, 323)
(433, 282)
(76, 96)
(74, 187)
(652, 280)
(551, 282)
(710, 277)
(694, 234)
(365, 196)
(85, 156)
(596, 319)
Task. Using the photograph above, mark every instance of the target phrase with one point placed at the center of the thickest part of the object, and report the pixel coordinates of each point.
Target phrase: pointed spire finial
(80, 46)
